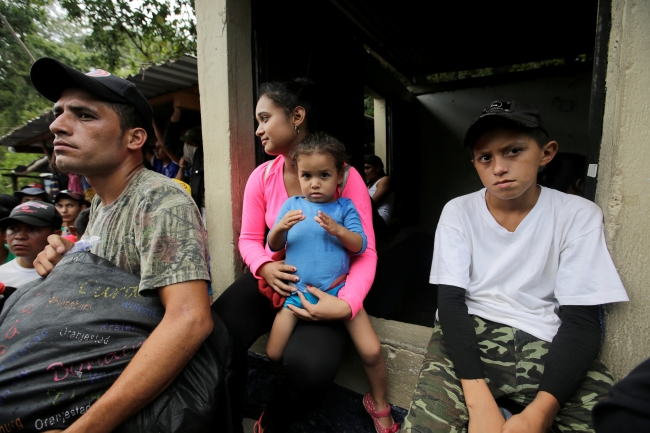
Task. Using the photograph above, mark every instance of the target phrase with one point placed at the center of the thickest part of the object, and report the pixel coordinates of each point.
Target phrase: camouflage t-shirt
(152, 230)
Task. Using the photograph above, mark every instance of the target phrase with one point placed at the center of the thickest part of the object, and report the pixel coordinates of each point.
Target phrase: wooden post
(227, 112)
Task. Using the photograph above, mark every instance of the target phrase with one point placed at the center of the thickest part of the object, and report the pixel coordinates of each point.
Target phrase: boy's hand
(289, 220)
(538, 416)
(52, 254)
(484, 414)
(327, 223)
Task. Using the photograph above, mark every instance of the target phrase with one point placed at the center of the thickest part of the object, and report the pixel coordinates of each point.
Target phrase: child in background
(69, 204)
(319, 230)
(7, 203)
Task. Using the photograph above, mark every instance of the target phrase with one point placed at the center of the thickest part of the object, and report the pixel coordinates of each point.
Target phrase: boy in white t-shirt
(521, 271)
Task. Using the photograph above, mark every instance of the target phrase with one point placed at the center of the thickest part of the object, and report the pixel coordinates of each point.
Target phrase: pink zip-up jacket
(262, 202)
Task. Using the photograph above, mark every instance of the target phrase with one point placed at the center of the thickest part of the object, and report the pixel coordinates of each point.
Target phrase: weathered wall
(445, 116)
(623, 190)
(224, 50)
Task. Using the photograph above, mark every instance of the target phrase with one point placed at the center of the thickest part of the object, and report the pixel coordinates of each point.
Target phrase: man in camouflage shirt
(148, 226)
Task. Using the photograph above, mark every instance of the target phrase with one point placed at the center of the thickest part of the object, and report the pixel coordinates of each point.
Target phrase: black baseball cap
(51, 77)
(34, 213)
(519, 113)
(8, 202)
(35, 190)
(79, 198)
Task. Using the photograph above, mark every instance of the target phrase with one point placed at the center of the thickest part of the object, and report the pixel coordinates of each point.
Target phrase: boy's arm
(462, 344)
(351, 241)
(186, 323)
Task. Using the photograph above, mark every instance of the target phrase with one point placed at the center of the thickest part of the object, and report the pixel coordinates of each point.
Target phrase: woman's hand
(276, 273)
(328, 308)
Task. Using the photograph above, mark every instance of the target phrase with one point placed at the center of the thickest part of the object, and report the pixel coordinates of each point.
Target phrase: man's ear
(549, 150)
(135, 138)
(298, 116)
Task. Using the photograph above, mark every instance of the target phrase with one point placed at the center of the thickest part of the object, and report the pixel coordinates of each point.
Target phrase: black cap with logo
(51, 77)
(520, 113)
(34, 213)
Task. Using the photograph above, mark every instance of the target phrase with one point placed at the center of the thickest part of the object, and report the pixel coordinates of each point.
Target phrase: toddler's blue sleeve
(352, 222)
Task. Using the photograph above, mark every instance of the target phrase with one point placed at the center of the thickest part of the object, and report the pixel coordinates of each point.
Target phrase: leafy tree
(40, 26)
(116, 35)
(127, 35)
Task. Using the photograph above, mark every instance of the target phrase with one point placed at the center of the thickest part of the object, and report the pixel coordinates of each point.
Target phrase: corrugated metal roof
(156, 80)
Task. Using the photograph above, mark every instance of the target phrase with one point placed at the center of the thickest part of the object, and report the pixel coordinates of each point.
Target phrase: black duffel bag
(65, 339)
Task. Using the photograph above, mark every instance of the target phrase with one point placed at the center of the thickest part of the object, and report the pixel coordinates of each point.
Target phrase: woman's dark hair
(322, 144)
(373, 160)
(564, 172)
(288, 95)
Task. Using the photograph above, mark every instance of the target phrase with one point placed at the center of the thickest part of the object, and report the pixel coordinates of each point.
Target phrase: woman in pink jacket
(286, 114)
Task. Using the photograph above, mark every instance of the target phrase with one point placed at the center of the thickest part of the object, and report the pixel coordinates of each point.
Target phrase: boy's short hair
(81, 223)
(513, 115)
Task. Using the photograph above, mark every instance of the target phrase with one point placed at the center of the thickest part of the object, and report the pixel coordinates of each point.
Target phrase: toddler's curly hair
(323, 144)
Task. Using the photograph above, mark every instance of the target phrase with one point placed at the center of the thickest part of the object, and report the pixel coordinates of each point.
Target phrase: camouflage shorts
(513, 361)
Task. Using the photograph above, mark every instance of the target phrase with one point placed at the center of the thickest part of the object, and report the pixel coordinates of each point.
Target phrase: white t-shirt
(14, 275)
(556, 256)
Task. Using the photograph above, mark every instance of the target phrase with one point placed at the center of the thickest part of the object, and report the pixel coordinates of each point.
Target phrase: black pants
(310, 363)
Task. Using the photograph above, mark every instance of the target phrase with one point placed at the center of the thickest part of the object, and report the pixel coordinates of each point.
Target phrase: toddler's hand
(289, 220)
(327, 223)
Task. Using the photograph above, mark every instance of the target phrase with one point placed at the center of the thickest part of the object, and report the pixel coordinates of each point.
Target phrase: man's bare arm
(186, 324)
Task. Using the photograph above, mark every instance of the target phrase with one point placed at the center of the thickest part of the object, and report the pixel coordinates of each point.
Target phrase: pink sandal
(257, 427)
(370, 408)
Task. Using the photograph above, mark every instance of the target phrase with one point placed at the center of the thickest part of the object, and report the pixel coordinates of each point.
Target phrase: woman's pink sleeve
(253, 223)
(363, 266)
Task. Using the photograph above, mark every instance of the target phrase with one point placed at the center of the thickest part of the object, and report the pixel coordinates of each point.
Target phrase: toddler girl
(319, 230)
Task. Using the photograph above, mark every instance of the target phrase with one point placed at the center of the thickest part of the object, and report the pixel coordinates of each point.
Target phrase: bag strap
(346, 173)
(268, 169)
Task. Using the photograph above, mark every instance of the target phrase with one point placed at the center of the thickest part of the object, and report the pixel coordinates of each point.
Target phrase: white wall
(444, 118)
(623, 190)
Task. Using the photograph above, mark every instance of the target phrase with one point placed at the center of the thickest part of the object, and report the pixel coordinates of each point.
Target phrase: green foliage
(484, 72)
(117, 35)
(33, 21)
(125, 35)
(368, 105)
(10, 160)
